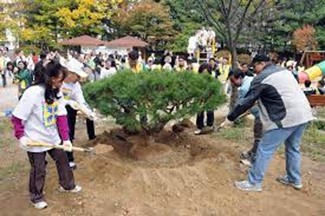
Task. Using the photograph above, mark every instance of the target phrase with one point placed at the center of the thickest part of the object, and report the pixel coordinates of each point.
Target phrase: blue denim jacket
(243, 91)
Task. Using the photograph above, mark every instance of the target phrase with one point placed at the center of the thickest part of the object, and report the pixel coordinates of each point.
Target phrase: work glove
(23, 142)
(73, 104)
(93, 116)
(67, 145)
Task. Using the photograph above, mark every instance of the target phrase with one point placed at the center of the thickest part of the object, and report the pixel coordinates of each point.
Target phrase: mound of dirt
(166, 149)
(170, 174)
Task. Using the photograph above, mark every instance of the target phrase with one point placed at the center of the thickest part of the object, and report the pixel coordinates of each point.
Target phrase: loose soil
(179, 174)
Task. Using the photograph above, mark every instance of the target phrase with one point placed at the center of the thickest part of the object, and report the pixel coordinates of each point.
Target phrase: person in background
(24, 78)
(243, 82)
(10, 69)
(284, 112)
(73, 95)
(35, 58)
(39, 66)
(308, 90)
(134, 64)
(245, 69)
(150, 64)
(109, 69)
(3, 69)
(181, 64)
(321, 87)
(192, 45)
(40, 116)
(201, 128)
(293, 72)
(167, 65)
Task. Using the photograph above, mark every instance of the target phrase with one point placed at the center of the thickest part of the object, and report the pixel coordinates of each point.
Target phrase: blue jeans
(271, 140)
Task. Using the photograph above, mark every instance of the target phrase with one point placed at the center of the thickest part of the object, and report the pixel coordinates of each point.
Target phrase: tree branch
(240, 25)
(211, 19)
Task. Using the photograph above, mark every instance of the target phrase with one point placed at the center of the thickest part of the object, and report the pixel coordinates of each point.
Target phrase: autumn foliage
(304, 38)
(146, 19)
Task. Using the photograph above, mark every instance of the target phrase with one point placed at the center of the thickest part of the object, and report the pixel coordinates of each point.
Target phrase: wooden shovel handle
(41, 144)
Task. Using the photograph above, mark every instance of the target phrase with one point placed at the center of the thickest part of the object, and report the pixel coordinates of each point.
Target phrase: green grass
(6, 137)
(313, 143)
(12, 170)
(238, 133)
(321, 112)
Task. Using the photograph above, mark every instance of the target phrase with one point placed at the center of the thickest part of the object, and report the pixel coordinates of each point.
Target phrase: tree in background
(304, 38)
(146, 19)
(187, 20)
(85, 17)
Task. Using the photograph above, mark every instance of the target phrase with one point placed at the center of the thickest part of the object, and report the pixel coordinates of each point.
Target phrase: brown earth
(194, 175)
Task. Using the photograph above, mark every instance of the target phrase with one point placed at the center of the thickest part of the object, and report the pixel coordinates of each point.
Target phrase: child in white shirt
(72, 92)
(40, 117)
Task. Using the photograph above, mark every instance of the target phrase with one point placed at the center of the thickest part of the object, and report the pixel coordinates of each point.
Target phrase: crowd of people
(50, 96)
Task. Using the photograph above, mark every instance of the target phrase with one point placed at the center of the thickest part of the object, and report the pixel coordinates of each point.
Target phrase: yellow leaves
(35, 33)
(27, 34)
(87, 13)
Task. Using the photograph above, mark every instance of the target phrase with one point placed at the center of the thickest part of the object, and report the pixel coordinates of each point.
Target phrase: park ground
(196, 178)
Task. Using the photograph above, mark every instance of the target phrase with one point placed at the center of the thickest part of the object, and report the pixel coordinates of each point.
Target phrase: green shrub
(160, 96)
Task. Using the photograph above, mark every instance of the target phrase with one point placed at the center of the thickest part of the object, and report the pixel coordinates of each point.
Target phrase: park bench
(316, 100)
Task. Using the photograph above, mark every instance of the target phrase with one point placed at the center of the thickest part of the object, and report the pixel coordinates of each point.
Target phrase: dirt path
(197, 179)
(8, 96)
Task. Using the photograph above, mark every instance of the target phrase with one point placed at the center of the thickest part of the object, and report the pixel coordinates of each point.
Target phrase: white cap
(74, 66)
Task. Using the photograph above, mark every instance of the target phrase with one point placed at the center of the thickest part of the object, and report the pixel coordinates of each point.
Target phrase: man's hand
(67, 145)
(226, 123)
(23, 143)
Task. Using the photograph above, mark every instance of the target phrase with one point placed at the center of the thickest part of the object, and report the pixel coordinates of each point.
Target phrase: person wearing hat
(284, 112)
(73, 94)
(243, 82)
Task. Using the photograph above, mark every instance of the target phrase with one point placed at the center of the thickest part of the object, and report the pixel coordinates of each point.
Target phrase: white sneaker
(76, 189)
(198, 132)
(40, 205)
(246, 186)
(72, 165)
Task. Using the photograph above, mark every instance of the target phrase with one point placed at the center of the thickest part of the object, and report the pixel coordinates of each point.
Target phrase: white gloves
(73, 104)
(84, 108)
(92, 116)
(23, 142)
(67, 145)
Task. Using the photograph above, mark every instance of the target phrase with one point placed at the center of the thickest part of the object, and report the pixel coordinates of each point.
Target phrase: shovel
(217, 129)
(41, 144)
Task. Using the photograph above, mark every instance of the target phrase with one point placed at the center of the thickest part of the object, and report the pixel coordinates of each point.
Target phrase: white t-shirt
(192, 42)
(107, 72)
(73, 91)
(39, 118)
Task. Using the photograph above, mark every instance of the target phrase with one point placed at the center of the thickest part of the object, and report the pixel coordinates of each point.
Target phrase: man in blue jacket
(284, 112)
(243, 82)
